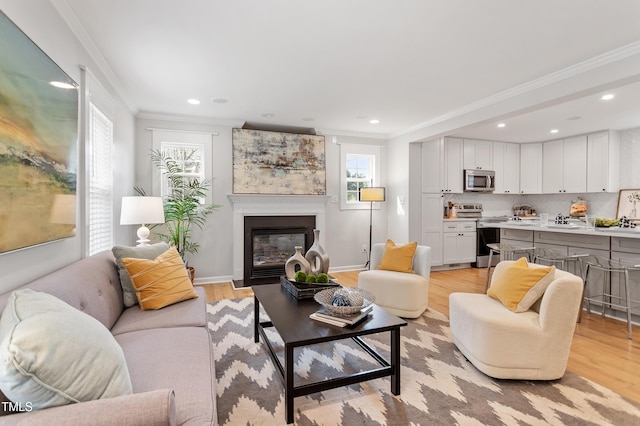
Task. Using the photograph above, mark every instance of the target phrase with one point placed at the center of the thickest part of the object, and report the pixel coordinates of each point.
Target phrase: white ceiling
(335, 64)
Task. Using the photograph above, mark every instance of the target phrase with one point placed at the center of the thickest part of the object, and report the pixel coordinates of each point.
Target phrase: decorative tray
(304, 290)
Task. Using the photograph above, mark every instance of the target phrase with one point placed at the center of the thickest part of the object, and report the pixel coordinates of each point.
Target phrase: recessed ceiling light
(219, 101)
(193, 101)
(62, 85)
(553, 131)
(374, 121)
(267, 115)
(308, 119)
(608, 97)
(501, 125)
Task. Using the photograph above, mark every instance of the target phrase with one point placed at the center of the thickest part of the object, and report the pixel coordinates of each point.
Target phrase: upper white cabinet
(531, 168)
(478, 155)
(442, 166)
(603, 162)
(564, 165)
(506, 163)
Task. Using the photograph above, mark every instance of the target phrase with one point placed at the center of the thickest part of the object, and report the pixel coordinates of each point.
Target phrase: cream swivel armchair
(400, 293)
(531, 345)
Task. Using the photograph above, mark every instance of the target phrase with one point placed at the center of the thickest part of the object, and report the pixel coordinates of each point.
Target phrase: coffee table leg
(288, 382)
(256, 319)
(395, 361)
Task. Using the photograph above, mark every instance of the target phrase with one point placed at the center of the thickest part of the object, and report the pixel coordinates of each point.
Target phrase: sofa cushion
(398, 258)
(189, 313)
(178, 358)
(52, 354)
(139, 252)
(160, 282)
(518, 286)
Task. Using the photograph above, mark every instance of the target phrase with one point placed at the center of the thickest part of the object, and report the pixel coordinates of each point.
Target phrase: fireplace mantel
(271, 205)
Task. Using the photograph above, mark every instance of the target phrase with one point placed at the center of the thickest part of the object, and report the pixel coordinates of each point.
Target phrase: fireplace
(269, 241)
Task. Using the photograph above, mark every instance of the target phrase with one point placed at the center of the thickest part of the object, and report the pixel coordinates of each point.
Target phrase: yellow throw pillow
(398, 258)
(160, 282)
(518, 287)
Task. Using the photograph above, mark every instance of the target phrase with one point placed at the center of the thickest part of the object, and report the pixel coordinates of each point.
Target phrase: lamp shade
(371, 194)
(141, 210)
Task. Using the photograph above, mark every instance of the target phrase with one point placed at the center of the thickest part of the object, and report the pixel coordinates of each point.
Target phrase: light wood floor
(600, 350)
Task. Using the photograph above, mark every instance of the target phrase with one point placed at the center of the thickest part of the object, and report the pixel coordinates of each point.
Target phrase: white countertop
(571, 229)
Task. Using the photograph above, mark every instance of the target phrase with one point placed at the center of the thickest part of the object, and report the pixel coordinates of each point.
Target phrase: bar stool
(509, 251)
(608, 267)
(550, 257)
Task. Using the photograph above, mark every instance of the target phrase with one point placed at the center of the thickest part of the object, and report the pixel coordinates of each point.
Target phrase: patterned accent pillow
(398, 258)
(160, 282)
(518, 287)
(52, 354)
(139, 252)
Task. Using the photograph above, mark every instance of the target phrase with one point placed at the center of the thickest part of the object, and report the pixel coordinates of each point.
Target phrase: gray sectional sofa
(168, 353)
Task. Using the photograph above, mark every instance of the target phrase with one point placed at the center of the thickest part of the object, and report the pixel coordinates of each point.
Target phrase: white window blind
(100, 172)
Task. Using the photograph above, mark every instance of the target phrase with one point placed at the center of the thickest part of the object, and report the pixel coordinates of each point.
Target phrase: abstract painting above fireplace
(278, 163)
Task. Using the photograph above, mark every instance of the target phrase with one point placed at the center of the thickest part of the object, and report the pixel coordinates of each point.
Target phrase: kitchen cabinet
(531, 168)
(459, 242)
(432, 212)
(564, 165)
(603, 162)
(442, 166)
(477, 155)
(506, 164)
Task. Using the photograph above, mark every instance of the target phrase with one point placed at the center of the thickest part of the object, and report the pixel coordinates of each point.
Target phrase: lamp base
(143, 236)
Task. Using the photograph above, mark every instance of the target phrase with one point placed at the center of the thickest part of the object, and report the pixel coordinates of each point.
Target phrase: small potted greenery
(184, 208)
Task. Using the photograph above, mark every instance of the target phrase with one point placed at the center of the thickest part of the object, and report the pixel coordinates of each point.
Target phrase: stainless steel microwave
(479, 180)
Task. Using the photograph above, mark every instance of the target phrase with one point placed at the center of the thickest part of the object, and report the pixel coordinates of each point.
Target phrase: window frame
(370, 151)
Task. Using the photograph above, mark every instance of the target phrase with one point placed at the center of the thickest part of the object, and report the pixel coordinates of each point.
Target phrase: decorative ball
(300, 276)
(322, 278)
(339, 300)
(310, 279)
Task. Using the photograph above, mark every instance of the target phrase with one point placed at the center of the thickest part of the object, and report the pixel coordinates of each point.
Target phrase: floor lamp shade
(142, 211)
(371, 194)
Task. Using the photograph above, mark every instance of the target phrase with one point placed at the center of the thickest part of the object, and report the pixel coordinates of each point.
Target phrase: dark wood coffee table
(290, 317)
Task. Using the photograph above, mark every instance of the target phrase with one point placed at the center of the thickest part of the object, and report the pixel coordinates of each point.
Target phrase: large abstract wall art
(278, 163)
(38, 144)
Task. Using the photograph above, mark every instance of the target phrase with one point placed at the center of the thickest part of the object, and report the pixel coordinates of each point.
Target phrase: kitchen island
(619, 244)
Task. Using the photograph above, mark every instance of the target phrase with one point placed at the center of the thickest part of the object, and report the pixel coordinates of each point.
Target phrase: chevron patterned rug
(439, 386)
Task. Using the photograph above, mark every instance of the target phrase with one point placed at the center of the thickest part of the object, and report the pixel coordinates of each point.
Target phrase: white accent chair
(402, 294)
(532, 345)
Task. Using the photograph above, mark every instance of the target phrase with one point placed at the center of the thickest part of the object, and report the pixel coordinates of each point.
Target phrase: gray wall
(42, 23)
(347, 230)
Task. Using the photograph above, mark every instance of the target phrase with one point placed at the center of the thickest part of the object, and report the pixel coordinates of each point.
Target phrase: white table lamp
(141, 211)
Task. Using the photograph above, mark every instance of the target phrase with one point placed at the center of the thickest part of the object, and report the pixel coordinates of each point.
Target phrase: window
(359, 174)
(100, 173)
(188, 158)
(360, 168)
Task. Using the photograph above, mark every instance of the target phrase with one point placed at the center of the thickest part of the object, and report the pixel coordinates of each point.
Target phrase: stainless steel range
(487, 233)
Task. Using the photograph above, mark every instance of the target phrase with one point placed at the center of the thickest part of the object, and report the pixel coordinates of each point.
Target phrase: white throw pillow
(52, 354)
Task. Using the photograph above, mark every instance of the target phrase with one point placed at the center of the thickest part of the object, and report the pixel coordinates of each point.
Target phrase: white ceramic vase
(316, 256)
(296, 260)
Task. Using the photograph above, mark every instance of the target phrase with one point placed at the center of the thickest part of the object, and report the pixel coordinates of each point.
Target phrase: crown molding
(575, 70)
(71, 18)
(189, 119)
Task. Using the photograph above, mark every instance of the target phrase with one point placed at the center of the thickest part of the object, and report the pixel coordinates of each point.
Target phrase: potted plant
(184, 206)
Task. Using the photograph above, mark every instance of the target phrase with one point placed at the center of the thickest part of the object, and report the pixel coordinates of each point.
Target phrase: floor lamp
(371, 195)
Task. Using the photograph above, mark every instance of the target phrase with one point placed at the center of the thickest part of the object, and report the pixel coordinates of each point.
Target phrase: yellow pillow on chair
(398, 258)
(518, 286)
